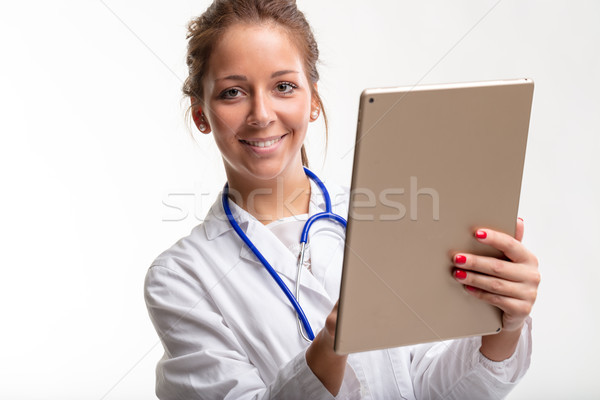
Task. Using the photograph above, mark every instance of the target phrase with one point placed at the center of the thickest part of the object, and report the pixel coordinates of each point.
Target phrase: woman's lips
(263, 143)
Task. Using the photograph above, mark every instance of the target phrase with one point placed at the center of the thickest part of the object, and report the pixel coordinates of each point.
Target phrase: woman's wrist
(500, 346)
(325, 363)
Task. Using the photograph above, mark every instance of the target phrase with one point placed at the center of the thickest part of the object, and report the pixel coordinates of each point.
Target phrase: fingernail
(460, 274)
(480, 234)
(470, 288)
(521, 219)
(460, 259)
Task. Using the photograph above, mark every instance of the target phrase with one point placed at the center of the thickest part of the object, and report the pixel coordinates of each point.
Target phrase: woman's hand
(325, 363)
(510, 285)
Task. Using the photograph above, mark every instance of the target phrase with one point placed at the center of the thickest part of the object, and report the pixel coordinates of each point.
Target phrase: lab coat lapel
(280, 257)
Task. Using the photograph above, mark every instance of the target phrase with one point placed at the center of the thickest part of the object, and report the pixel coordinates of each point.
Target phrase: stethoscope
(294, 300)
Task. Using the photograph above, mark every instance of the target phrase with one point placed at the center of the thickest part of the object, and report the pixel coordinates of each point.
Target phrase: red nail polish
(470, 288)
(460, 274)
(460, 259)
(521, 219)
(481, 234)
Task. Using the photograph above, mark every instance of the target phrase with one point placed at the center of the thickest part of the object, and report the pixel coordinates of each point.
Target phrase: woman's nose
(261, 113)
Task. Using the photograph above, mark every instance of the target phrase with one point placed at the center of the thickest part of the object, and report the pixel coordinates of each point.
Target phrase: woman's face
(257, 101)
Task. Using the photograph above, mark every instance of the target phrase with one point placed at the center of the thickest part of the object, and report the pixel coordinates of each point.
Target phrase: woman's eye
(286, 87)
(230, 93)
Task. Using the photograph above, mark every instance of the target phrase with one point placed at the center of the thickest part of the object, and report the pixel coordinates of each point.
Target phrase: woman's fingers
(514, 310)
(510, 285)
(331, 320)
(494, 285)
(519, 229)
(510, 246)
(490, 266)
(515, 299)
(521, 290)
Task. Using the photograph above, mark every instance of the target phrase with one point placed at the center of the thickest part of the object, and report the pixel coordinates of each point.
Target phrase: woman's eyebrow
(283, 72)
(244, 78)
(233, 78)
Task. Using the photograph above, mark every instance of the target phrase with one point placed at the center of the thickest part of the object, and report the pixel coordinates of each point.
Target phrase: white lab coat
(229, 333)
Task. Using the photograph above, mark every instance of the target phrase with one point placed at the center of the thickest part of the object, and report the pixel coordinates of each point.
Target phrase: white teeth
(263, 144)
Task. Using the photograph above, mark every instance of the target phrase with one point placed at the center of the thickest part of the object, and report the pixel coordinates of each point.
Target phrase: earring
(202, 123)
(314, 114)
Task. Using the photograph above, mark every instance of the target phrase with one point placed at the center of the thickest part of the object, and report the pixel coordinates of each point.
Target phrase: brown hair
(205, 30)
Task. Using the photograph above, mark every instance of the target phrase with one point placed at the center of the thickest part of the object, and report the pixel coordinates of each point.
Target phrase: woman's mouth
(262, 143)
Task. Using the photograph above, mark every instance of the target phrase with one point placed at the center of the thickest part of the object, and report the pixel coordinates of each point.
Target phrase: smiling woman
(206, 30)
(257, 107)
(227, 329)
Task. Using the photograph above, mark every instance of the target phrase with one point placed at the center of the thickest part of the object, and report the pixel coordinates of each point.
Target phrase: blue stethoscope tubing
(328, 213)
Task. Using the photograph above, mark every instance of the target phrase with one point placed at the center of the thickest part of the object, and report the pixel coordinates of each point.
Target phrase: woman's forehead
(264, 48)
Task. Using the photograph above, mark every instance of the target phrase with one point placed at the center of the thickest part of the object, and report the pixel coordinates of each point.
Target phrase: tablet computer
(432, 163)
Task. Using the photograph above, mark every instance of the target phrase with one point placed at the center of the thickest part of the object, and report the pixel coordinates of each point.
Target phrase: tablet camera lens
(371, 100)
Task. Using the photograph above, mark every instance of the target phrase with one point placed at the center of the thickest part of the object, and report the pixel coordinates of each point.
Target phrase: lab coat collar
(216, 222)
(276, 253)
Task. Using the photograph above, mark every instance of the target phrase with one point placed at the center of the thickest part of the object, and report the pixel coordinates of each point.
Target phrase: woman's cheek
(299, 119)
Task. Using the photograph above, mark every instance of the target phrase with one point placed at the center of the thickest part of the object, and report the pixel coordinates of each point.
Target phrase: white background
(94, 143)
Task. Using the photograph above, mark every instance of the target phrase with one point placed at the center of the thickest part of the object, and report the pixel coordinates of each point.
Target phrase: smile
(266, 143)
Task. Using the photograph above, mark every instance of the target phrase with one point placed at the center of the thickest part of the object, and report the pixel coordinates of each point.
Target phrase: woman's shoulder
(183, 247)
(192, 255)
(182, 257)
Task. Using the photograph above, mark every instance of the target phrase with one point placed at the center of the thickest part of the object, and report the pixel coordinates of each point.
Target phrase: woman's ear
(315, 107)
(199, 118)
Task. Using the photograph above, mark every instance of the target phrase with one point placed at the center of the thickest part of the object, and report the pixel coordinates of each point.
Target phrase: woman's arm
(509, 284)
(325, 363)
(203, 358)
(457, 370)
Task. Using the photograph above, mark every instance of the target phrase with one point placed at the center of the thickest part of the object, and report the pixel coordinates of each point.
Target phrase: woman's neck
(269, 200)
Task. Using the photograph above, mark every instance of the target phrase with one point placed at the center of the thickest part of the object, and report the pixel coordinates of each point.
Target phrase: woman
(227, 329)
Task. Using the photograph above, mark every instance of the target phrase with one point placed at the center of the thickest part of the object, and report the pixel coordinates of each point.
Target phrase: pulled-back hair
(205, 31)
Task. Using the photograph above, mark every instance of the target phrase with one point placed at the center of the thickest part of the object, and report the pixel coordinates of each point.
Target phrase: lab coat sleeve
(457, 369)
(203, 359)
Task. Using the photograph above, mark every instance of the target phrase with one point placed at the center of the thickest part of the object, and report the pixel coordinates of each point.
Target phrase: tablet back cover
(432, 164)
